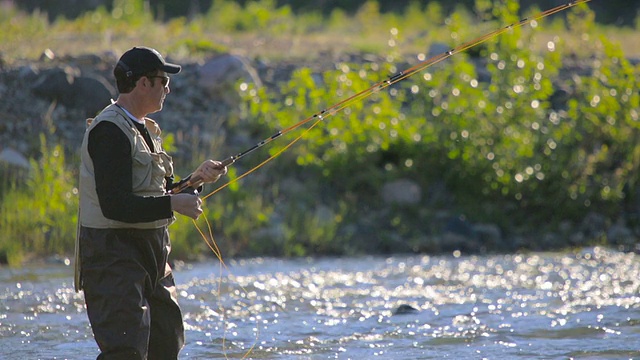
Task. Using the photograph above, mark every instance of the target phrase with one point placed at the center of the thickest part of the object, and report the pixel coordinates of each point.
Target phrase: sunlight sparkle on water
(499, 306)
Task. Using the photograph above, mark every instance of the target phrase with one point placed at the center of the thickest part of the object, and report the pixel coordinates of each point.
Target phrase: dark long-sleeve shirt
(110, 150)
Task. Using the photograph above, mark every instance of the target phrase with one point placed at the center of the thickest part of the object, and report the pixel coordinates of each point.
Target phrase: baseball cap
(140, 60)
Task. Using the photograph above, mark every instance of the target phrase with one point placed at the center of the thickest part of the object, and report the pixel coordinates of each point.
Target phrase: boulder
(619, 234)
(402, 192)
(220, 75)
(489, 235)
(13, 157)
(68, 87)
(405, 309)
(438, 48)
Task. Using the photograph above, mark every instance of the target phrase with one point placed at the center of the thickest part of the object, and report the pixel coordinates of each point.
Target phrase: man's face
(158, 88)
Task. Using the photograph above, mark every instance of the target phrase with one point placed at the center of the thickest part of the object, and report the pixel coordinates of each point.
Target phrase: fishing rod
(196, 181)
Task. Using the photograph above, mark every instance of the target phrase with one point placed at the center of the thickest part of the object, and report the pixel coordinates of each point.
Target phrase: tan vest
(149, 171)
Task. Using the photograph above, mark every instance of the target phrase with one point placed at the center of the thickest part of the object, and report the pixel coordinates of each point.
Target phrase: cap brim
(171, 68)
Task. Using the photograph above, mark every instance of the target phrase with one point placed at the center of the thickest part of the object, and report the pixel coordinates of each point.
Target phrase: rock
(405, 309)
(459, 234)
(490, 235)
(66, 85)
(324, 215)
(437, 49)
(460, 226)
(560, 97)
(484, 75)
(403, 192)
(219, 75)
(28, 73)
(58, 260)
(12, 157)
(594, 225)
(620, 234)
(450, 241)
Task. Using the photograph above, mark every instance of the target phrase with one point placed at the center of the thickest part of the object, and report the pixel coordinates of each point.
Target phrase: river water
(571, 305)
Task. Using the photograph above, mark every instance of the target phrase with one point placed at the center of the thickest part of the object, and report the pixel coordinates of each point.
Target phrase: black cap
(140, 60)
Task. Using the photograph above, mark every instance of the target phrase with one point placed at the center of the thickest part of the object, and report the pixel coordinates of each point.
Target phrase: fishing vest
(149, 171)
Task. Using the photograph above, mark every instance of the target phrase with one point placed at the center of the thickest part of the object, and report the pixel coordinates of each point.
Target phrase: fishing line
(213, 246)
(290, 144)
(195, 182)
(316, 118)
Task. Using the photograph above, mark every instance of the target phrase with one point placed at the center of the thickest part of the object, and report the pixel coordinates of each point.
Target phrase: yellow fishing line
(212, 244)
(265, 161)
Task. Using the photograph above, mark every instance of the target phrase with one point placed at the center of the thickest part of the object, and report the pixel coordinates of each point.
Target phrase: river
(583, 304)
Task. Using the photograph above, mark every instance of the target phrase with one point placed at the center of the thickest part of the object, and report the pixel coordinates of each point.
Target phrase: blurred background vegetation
(617, 12)
(485, 135)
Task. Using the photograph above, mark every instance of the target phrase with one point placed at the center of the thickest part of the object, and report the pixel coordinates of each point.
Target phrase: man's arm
(110, 151)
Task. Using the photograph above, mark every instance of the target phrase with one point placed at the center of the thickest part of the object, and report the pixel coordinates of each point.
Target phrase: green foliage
(39, 215)
(504, 151)
(605, 160)
(125, 16)
(263, 16)
(485, 134)
(17, 28)
(201, 46)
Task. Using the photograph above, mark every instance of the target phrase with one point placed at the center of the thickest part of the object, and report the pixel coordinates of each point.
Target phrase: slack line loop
(332, 110)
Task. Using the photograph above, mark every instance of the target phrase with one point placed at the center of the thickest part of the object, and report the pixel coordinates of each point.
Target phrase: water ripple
(584, 304)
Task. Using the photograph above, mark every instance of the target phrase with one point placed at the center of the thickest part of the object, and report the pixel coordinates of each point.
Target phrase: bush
(39, 215)
(520, 131)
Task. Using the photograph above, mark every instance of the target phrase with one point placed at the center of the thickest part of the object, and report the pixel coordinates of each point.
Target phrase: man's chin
(157, 110)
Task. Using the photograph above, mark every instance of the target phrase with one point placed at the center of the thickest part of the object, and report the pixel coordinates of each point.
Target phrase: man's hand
(187, 204)
(209, 171)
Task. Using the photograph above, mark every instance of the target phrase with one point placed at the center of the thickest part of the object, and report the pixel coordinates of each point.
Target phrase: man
(125, 209)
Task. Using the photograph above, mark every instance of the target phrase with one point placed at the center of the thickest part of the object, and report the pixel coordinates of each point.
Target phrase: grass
(285, 35)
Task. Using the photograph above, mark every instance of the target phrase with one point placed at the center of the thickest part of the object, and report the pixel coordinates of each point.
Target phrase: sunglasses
(165, 79)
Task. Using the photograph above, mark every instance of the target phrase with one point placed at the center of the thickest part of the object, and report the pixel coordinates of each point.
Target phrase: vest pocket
(141, 170)
(148, 171)
(167, 162)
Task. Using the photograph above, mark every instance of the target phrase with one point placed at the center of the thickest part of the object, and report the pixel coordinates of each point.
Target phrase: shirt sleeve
(110, 151)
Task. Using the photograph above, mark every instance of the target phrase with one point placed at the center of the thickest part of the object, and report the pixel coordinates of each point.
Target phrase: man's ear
(144, 83)
(141, 81)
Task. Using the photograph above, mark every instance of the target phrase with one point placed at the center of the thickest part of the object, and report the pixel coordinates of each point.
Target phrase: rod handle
(196, 181)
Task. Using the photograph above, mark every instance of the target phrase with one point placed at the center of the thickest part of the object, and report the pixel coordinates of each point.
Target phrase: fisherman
(126, 205)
